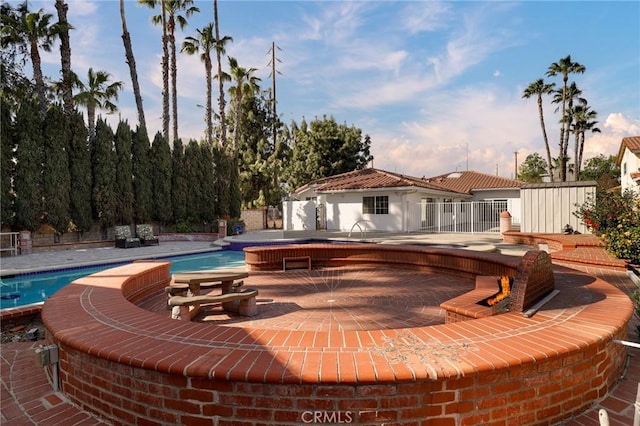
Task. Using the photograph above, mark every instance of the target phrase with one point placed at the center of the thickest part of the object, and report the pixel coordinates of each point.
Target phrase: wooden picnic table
(196, 279)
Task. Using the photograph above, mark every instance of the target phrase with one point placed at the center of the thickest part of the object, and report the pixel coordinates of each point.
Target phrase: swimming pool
(26, 289)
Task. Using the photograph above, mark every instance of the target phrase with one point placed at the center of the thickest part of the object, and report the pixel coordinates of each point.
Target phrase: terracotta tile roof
(468, 181)
(458, 182)
(632, 143)
(370, 179)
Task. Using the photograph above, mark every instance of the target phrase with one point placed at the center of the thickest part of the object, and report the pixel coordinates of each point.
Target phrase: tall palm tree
(131, 61)
(204, 43)
(583, 121)
(97, 93)
(162, 20)
(572, 95)
(537, 89)
(30, 32)
(65, 57)
(220, 50)
(564, 67)
(169, 18)
(245, 84)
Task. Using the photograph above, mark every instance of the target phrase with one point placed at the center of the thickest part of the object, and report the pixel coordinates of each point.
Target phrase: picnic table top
(208, 276)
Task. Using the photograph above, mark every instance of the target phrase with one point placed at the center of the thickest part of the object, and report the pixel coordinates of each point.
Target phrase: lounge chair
(124, 239)
(145, 233)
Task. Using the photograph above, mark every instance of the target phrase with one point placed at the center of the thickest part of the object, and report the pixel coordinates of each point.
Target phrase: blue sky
(437, 85)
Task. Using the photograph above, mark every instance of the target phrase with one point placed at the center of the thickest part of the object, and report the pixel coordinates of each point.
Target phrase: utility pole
(272, 62)
(515, 176)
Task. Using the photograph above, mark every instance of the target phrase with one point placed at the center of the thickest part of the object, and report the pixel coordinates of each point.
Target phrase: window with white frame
(375, 205)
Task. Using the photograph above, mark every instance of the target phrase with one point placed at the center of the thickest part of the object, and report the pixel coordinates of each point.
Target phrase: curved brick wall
(131, 366)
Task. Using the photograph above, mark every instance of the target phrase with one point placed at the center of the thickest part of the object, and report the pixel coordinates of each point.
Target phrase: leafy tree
(565, 66)
(160, 162)
(323, 148)
(603, 169)
(29, 32)
(615, 217)
(131, 61)
(259, 159)
(28, 177)
(57, 179)
(537, 89)
(533, 168)
(7, 169)
(80, 173)
(105, 198)
(97, 93)
(141, 176)
(124, 173)
(179, 183)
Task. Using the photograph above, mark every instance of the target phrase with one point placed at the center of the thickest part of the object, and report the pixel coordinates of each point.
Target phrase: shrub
(615, 218)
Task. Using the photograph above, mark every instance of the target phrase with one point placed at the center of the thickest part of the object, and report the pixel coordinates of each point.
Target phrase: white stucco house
(629, 162)
(378, 200)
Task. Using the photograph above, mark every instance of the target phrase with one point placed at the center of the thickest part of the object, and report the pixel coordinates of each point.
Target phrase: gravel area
(19, 331)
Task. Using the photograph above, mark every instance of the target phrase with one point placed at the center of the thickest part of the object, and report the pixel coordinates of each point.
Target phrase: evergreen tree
(194, 179)
(80, 173)
(161, 179)
(179, 183)
(7, 168)
(57, 179)
(141, 176)
(105, 198)
(208, 194)
(28, 176)
(124, 173)
(222, 188)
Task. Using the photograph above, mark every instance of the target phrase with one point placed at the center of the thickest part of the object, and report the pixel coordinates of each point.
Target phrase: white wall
(345, 210)
(299, 215)
(632, 163)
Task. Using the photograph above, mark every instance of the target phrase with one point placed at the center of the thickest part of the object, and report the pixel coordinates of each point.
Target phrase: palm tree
(246, 83)
(173, 8)
(97, 93)
(584, 120)
(220, 50)
(169, 18)
(65, 57)
(128, 49)
(204, 43)
(539, 88)
(572, 95)
(162, 20)
(30, 32)
(564, 67)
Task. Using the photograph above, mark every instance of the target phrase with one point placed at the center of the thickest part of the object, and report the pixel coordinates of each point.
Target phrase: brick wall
(254, 219)
(535, 393)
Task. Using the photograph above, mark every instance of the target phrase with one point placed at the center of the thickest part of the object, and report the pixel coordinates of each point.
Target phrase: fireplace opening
(501, 298)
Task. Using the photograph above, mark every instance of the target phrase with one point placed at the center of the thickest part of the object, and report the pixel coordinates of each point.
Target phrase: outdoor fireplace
(500, 300)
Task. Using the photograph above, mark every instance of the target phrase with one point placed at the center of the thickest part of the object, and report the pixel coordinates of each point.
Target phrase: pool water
(26, 289)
